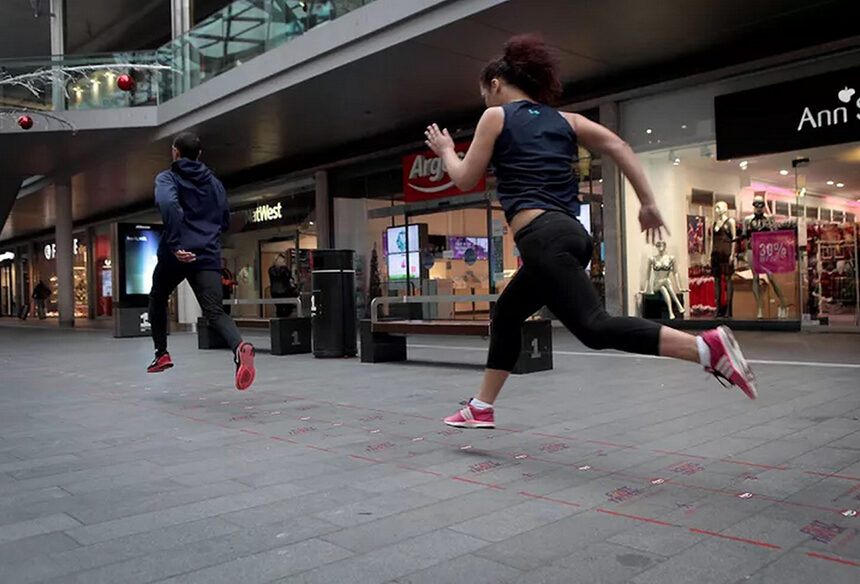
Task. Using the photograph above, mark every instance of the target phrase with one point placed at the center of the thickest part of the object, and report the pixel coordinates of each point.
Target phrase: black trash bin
(334, 318)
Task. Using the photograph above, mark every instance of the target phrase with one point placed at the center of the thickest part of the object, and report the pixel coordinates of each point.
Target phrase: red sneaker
(472, 417)
(727, 361)
(160, 364)
(244, 360)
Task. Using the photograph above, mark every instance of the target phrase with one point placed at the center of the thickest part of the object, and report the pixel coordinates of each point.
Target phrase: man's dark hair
(188, 144)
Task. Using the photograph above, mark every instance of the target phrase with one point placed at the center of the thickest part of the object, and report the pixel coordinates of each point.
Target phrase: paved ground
(608, 469)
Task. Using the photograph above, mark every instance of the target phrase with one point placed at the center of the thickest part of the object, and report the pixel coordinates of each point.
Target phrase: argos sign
(425, 177)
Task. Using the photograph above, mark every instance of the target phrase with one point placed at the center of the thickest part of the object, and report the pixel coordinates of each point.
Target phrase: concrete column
(181, 15)
(181, 19)
(613, 220)
(58, 49)
(65, 253)
(323, 211)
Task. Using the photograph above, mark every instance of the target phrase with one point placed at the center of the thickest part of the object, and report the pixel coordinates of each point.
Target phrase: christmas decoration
(375, 285)
(40, 82)
(25, 121)
(125, 82)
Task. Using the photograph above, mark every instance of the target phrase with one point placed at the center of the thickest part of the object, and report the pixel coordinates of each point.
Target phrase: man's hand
(186, 257)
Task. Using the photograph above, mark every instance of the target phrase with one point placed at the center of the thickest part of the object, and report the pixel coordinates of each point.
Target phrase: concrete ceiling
(24, 33)
(386, 99)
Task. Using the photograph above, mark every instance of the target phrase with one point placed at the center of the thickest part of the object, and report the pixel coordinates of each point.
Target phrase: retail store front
(430, 238)
(45, 270)
(267, 251)
(761, 197)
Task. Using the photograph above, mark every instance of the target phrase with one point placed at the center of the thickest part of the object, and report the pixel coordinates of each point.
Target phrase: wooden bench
(290, 335)
(385, 340)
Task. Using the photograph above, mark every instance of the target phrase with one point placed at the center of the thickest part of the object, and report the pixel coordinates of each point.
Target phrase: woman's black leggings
(555, 249)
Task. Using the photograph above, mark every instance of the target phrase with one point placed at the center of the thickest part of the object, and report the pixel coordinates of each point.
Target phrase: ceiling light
(683, 126)
(783, 172)
(648, 131)
(743, 164)
(830, 183)
(600, 181)
(840, 185)
(802, 192)
(676, 161)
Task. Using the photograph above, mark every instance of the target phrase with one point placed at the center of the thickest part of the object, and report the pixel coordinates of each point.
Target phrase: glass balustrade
(228, 38)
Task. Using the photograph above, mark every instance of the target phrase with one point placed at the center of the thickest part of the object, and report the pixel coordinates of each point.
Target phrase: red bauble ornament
(26, 122)
(125, 82)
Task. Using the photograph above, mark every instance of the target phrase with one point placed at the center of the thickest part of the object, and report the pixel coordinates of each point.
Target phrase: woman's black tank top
(533, 160)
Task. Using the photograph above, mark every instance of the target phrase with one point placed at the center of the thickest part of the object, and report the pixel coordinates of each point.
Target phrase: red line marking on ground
(421, 470)
(490, 485)
(249, 432)
(767, 466)
(604, 443)
(740, 539)
(636, 517)
(832, 559)
(284, 439)
(321, 448)
(360, 457)
(553, 436)
(681, 454)
(550, 499)
(571, 438)
(832, 476)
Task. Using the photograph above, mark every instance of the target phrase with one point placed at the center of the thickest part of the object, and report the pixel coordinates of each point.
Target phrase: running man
(532, 147)
(193, 206)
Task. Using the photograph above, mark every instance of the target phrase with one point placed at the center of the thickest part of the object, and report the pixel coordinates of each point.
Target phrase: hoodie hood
(193, 171)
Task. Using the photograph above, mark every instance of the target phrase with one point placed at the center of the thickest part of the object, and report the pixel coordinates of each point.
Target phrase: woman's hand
(652, 223)
(439, 141)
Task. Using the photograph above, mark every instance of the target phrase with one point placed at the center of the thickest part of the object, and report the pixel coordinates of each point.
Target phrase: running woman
(532, 147)
(193, 205)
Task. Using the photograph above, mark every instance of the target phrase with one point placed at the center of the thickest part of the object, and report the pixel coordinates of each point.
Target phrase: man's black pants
(206, 285)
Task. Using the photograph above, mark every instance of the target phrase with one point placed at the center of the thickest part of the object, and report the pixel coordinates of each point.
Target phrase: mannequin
(760, 220)
(723, 260)
(661, 273)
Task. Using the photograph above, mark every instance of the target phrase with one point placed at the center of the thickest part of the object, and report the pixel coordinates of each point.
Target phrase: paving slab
(609, 468)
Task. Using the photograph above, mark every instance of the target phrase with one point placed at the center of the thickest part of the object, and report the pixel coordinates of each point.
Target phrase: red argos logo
(425, 177)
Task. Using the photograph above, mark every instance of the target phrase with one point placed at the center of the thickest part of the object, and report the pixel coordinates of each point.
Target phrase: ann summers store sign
(811, 112)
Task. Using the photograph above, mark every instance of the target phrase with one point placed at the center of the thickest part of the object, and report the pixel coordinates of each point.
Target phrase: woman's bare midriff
(525, 217)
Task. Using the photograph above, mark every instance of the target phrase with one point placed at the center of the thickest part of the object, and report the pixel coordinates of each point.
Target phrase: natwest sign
(806, 113)
(263, 213)
(425, 177)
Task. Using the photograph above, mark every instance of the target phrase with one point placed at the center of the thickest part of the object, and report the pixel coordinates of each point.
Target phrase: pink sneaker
(727, 361)
(472, 417)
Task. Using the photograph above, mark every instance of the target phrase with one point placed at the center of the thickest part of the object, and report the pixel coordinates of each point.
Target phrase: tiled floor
(610, 468)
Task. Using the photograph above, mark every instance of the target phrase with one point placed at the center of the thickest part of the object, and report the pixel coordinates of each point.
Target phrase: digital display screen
(141, 256)
(459, 245)
(397, 266)
(395, 239)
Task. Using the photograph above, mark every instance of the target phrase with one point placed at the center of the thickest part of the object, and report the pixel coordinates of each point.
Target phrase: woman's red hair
(528, 65)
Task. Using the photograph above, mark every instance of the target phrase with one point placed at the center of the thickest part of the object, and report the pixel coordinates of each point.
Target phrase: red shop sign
(425, 177)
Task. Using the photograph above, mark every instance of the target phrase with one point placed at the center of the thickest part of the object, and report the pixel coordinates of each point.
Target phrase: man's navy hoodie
(193, 205)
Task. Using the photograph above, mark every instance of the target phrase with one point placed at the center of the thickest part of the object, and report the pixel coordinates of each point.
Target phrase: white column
(58, 49)
(323, 211)
(65, 251)
(613, 220)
